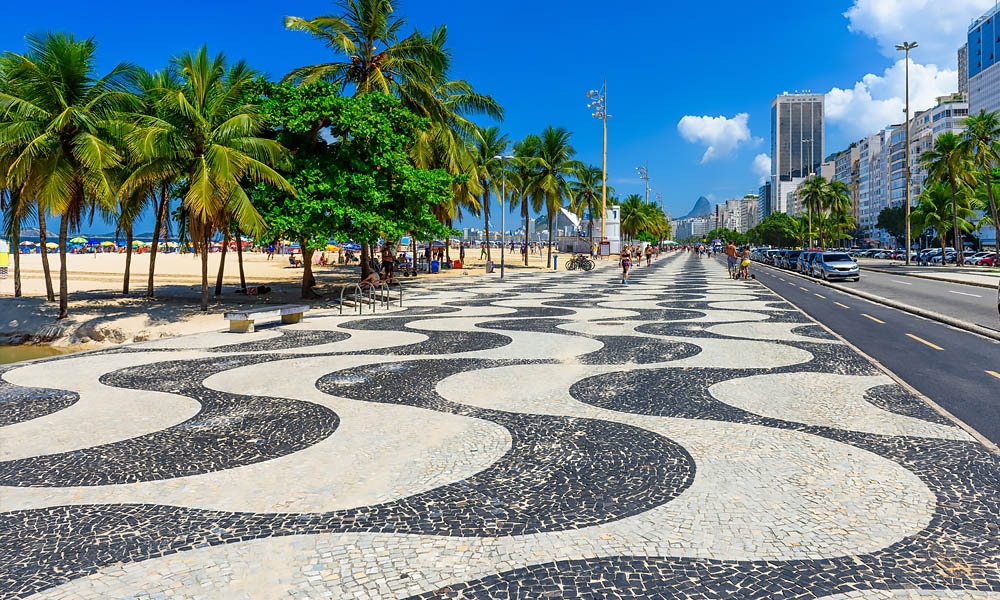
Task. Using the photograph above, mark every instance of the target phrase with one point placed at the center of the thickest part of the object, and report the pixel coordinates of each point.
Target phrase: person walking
(731, 259)
(626, 261)
(649, 255)
(745, 263)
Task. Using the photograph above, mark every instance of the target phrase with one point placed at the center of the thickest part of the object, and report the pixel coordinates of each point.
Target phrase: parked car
(950, 256)
(974, 258)
(802, 263)
(989, 261)
(789, 259)
(835, 265)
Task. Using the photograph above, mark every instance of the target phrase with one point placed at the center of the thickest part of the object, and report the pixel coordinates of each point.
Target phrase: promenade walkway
(556, 435)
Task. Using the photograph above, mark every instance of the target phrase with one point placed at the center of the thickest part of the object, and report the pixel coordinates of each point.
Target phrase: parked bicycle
(580, 261)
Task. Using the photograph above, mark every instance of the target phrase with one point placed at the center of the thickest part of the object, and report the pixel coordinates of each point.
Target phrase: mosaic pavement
(552, 436)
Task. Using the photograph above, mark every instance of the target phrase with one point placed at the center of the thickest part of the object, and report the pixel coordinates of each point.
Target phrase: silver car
(835, 265)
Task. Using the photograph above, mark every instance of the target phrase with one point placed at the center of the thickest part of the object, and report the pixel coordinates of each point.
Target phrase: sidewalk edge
(986, 442)
(989, 286)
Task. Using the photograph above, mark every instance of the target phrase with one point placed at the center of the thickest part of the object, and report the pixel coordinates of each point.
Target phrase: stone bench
(242, 321)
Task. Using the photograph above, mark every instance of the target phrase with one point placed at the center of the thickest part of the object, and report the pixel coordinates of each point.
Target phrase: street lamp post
(503, 213)
(906, 47)
(599, 104)
(644, 175)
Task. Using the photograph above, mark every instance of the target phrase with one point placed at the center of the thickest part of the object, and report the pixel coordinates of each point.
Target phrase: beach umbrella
(331, 248)
(51, 245)
(136, 243)
(107, 243)
(93, 242)
(78, 240)
(27, 243)
(172, 244)
(352, 246)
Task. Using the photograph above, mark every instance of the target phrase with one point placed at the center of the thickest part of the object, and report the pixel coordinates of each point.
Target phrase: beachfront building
(797, 143)
(749, 206)
(984, 62)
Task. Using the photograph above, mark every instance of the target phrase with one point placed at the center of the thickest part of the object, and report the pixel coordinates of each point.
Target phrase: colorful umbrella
(27, 243)
(107, 243)
(78, 240)
(51, 245)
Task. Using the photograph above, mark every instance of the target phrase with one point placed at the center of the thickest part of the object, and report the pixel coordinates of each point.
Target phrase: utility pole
(599, 105)
(906, 47)
(644, 175)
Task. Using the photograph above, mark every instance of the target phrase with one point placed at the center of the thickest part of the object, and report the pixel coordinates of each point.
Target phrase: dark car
(835, 265)
(790, 259)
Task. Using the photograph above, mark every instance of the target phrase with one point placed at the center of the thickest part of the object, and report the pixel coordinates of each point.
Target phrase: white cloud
(762, 167)
(939, 26)
(878, 100)
(720, 135)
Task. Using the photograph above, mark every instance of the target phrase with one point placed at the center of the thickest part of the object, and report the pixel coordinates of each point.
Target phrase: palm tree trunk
(50, 295)
(549, 259)
(996, 222)
(960, 258)
(63, 283)
(161, 214)
(486, 219)
(128, 258)
(15, 239)
(204, 270)
(239, 258)
(222, 264)
(524, 213)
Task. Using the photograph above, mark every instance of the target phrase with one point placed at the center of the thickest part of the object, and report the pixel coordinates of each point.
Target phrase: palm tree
(946, 162)
(586, 189)
(936, 209)
(837, 199)
(812, 195)
(489, 144)
(152, 86)
(208, 129)
(58, 114)
(982, 144)
(555, 167)
(521, 179)
(367, 35)
(16, 212)
(633, 217)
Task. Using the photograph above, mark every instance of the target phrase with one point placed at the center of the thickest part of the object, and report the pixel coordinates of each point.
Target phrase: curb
(919, 276)
(913, 310)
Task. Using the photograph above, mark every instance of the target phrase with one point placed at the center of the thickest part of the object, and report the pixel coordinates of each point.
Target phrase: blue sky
(713, 62)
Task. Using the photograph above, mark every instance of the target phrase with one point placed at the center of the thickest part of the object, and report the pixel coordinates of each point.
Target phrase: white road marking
(964, 294)
(903, 282)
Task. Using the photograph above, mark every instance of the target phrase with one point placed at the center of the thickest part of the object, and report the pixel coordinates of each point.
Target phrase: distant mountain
(702, 208)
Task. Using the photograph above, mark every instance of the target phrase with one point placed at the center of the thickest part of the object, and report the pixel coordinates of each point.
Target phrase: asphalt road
(966, 302)
(958, 370)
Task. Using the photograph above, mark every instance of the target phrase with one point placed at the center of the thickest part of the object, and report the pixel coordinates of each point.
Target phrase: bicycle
(580, 261)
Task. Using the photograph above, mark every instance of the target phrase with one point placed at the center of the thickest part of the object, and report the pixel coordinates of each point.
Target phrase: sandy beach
(101, 315)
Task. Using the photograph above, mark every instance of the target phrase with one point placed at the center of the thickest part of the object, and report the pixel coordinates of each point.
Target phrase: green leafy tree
(813, 195)
(948, 162)
(982, 144)
(58, 116)
(893, 220)
(361, 186)
(522, 177)
(777, 229)
(837, 200)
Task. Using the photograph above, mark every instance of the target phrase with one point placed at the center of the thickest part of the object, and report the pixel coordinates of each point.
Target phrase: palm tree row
(965, 166)
(828, 203)
(643, 221)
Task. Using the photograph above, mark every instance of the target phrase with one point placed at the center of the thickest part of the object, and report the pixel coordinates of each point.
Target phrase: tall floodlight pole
(599, 104)
(644, 175)
(503, 213)
(906, 47)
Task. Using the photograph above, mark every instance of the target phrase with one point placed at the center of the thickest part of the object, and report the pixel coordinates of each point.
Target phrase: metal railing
(358, 295)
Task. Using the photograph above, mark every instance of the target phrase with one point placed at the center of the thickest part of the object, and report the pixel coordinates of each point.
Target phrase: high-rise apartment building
(797, 142)
(764, 201)
(846, 170)
(748, 212)
(949, 115)
(984, 62)
(963, 70)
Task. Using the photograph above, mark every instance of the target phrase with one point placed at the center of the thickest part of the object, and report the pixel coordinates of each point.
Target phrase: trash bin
(555, 262)
(435, 266)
